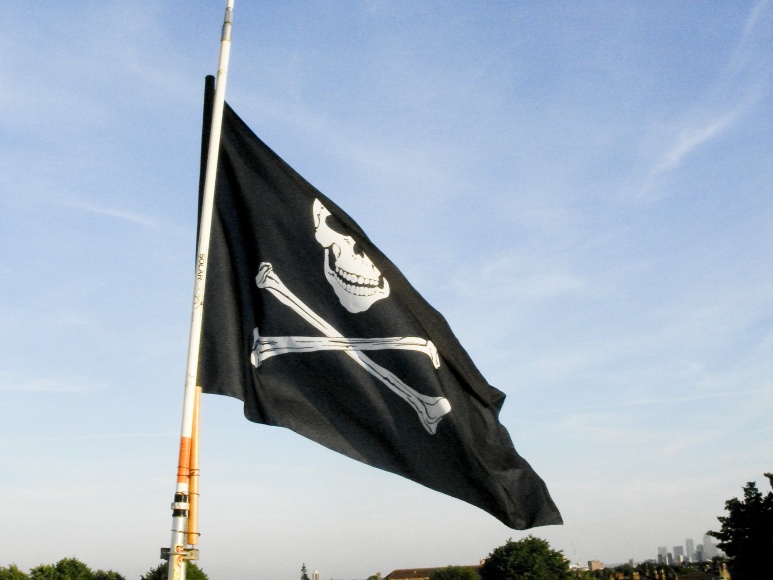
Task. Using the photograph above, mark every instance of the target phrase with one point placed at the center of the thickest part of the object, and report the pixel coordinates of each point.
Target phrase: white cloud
(48, 385)
(675, 400)
(691, 137)
(737, 88)
(99, 436)
(118, 214)
(754, 24)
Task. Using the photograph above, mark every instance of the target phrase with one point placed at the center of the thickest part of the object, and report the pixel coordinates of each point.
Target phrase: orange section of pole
(193, 486)
(184, 462)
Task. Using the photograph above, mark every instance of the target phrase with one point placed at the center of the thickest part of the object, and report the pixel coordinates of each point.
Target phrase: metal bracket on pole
(190, 554)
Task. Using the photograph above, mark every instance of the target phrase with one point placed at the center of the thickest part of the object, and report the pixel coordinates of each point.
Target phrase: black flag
(314, 329)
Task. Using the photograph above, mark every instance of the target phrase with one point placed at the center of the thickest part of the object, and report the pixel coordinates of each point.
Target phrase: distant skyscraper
(678, 554)
(662, 555)
(709, 548)
(699, 553)
(690, 545)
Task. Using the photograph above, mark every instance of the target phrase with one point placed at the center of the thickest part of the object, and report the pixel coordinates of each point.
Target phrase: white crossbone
(265, 347)
(429, 409)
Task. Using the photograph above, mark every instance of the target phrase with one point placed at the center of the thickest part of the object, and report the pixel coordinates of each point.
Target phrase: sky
(583, 189)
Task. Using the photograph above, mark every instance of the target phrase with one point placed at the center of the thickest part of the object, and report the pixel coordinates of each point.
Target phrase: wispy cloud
(99, 436)
(693, 136)
(664, 400)
(687, 399)
(744, 46)
(739, 85)
(88, 437)
(118, 214)
(49, 385)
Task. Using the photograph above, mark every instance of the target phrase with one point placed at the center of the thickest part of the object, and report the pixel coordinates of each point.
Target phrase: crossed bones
(429, 409)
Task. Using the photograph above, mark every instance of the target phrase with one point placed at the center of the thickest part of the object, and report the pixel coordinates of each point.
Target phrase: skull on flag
(356, 280)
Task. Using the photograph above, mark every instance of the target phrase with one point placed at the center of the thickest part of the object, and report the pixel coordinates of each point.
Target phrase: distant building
(420, 573)
(690, 545)
(678, 554)
(662, 555)
(594, 565)
(709, 548)
(699, 556)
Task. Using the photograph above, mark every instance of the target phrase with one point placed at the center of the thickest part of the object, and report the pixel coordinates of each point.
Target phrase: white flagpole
(178, 552)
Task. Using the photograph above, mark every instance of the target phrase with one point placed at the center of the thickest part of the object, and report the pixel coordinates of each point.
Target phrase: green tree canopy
(43, 572)
(527, 559)
(72, 569)
(747, 532)
(64, 569)
(109, 575)
(455, 573)
(13, 572)
(304, 573)
(161, 572)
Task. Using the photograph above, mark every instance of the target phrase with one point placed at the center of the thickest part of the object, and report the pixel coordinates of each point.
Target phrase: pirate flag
(315, 330)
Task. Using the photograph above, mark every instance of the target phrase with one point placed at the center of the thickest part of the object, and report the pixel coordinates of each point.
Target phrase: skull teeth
(355, 284)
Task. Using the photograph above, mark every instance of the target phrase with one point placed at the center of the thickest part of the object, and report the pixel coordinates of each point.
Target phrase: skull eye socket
(335, 225)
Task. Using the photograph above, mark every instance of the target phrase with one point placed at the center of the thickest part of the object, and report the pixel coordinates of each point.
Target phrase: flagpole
(178, 552)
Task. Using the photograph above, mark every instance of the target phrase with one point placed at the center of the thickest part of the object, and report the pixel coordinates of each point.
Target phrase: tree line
(533, 559)
(74, 569)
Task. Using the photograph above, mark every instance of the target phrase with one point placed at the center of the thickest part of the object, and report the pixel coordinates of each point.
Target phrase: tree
(455, 573)
(109, 575)
(161, 572)
(43, 572)
(304, 573)
(72, 569)
(64, 569)
(747, 532)
(12, 572)
(527, 559)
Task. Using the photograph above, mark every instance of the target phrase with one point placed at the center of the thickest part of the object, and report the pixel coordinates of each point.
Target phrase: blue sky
(584, 190)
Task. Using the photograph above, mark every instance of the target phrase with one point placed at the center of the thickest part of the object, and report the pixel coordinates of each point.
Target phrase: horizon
(583, 191)
(378, 573)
